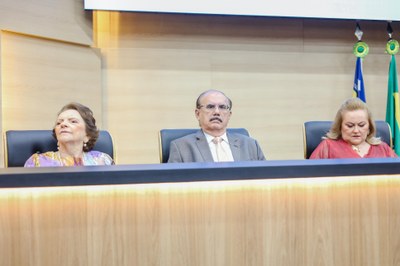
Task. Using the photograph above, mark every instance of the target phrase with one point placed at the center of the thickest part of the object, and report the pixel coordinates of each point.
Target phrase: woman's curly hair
(90, 122)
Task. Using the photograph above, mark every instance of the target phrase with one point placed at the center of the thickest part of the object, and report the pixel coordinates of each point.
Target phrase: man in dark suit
(212, 143)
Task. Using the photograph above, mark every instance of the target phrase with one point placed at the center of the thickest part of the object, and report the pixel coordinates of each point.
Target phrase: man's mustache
(216, 118)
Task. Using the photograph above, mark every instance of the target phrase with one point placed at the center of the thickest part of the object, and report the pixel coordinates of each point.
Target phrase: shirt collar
(210, 138)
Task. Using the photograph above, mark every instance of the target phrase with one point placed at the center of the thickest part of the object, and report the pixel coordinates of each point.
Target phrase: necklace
(70, 161)
(355, 148)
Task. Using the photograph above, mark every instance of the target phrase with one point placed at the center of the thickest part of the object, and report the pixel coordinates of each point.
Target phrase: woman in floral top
(76, 134)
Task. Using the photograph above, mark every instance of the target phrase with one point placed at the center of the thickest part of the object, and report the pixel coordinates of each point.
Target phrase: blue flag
(358, 87)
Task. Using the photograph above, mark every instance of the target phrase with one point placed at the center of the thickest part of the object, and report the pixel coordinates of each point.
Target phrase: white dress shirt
(224, 144)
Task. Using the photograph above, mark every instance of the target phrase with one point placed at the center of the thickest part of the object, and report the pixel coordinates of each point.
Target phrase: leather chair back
(313, 131)
(167, 135)
(19, 145)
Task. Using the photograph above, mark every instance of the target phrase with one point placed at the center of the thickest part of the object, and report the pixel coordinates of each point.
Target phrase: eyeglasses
(213, 107)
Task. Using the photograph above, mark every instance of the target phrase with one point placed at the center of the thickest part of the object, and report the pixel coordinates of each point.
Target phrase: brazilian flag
(393, 105)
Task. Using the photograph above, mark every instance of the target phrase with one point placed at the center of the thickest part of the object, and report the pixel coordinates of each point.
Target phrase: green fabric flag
(393, 105)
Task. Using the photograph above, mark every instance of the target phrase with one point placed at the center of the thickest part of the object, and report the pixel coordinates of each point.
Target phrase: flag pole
(360, 50)
(393, 103)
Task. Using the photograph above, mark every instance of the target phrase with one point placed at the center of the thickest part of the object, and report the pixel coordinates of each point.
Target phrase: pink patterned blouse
(51, 159)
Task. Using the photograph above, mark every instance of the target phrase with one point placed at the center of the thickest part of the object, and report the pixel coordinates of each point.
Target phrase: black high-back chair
(19, 145)
(165, 137)
(313, 131)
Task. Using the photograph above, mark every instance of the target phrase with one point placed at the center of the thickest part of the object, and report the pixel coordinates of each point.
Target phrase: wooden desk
(333, 212)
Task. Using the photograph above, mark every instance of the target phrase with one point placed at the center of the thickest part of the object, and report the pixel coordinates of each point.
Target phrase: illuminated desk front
(327, 212)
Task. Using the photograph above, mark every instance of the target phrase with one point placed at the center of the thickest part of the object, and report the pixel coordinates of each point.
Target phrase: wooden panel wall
(38, 80)
(279, 73)
(61, 20)
(318, 221)
(46, 62)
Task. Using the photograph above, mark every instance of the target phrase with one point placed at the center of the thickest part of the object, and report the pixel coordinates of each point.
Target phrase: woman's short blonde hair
(353, 104)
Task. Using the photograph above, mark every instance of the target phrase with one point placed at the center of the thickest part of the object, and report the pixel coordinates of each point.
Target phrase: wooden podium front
(120, 219)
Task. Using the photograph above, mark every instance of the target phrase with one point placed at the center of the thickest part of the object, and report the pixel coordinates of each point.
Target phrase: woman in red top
(352, 135)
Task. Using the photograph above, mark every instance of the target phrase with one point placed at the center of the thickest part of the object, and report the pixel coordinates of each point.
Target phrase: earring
(84, 144)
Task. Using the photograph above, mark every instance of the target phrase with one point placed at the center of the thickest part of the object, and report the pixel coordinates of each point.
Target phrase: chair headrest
(167, 135)
(19, 145)
(313, 131)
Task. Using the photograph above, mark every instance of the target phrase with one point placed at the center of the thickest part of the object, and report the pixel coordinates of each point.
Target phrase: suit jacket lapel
(203, 147)
(235, 146)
